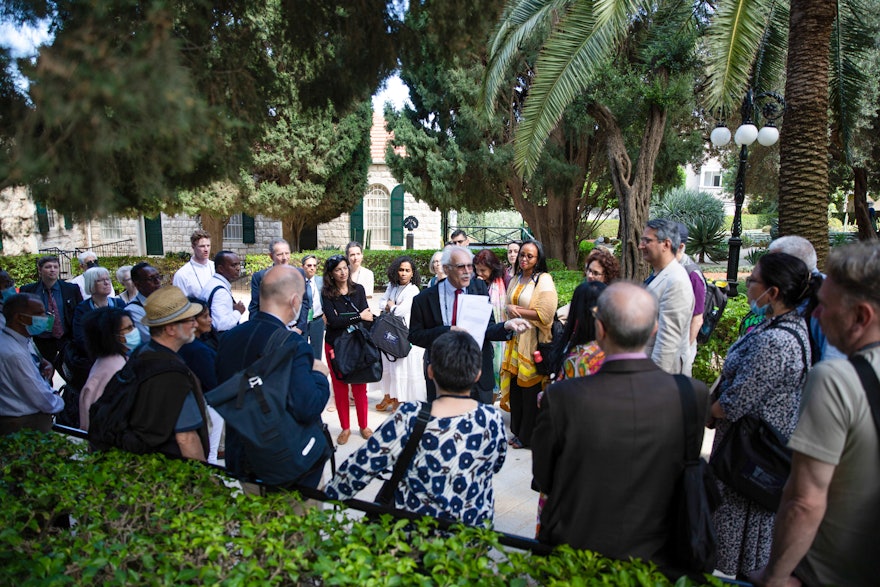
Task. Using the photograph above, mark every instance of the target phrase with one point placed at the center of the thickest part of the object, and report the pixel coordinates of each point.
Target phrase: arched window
(377, 203)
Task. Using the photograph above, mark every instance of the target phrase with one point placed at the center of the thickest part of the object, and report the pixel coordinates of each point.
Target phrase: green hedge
(148, 520)
(710, 356)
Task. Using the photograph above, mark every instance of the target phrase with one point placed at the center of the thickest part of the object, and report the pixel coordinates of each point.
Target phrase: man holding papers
(460, 302)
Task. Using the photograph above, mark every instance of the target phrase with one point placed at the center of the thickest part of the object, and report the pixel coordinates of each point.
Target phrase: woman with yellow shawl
(532, 295)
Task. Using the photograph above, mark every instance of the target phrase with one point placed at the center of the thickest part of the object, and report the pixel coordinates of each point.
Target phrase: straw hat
(167, 305)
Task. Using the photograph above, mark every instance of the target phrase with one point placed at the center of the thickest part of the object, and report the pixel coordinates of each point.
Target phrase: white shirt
(317, 308)
(193, 277)
(364, 277)
(223, 315)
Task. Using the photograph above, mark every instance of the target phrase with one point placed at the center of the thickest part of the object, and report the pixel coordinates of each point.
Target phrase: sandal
(382, 405)
(343, 437)
(516, 443)
(366, 433)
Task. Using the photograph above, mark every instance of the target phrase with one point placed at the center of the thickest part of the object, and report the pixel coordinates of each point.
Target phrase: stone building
(376, 221)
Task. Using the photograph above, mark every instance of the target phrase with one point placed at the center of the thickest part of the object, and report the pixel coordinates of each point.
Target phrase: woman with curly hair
(532, 296)
(403, 380)
(602, 266)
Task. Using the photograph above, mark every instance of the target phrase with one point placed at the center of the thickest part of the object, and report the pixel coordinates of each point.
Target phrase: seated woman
(463, 445)
(110, 336)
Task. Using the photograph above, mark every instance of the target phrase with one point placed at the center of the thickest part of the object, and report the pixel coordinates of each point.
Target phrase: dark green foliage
(149, 520)
(707, 238)
(710, 356)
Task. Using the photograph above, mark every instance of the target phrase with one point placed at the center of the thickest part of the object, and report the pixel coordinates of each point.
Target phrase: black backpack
(713, 308)
(109, 416)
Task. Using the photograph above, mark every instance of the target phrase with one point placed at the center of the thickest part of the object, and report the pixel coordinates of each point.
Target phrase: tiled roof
(379, 138)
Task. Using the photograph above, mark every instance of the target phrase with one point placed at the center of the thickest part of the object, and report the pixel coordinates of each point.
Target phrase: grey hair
(91, 276)
(86, 255)
(666, 229)
(796, 246)
(276, 241)
(628, 312)
(446, 258)
(856, 270)
(122, 271)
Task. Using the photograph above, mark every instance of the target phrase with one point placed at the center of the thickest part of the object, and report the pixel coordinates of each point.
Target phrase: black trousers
(523, 410)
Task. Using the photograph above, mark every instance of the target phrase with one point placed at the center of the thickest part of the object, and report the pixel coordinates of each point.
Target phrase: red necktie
(57, 326)
(455, 306)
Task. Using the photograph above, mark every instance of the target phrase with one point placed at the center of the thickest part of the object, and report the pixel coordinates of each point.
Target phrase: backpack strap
(386, 494)
(211, 295)
(871, 384)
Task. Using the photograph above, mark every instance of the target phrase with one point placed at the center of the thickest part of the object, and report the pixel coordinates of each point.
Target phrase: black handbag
(391, 335)
(551, 352)
(753, 460)
(355, 359)
(693, 543)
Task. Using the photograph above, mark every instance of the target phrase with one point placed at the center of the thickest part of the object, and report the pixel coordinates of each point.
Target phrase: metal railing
(67, 258)
(495, 236)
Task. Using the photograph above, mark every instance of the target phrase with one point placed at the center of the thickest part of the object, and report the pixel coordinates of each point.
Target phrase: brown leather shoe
(382, 405)
(343, 436)
(366, 433)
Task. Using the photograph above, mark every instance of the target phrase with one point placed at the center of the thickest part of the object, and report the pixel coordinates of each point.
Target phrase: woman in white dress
(403, 379)
(354, 252)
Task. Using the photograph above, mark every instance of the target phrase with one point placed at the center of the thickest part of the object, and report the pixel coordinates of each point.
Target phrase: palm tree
(583, 37)
(747, 40)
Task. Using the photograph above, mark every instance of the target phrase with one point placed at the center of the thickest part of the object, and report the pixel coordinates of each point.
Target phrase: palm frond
(520, 21)
(769, 70)
(850, 43)
(575, 48)
(734, 40)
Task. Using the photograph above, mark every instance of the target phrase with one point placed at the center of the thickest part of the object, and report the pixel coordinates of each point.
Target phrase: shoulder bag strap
(386, 494)
(794, 333)
(689, 412)
(869, 380)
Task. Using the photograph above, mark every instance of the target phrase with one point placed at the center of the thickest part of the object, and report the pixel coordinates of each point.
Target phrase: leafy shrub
(710, 356)
(686, 206)
(707, 238)
(22, 268)
(144, 519)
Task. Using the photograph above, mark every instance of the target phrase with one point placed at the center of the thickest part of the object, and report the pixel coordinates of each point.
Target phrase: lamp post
(770, 105)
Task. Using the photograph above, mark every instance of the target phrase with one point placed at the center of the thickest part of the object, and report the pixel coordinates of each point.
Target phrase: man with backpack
(155, 403)
(247, 353)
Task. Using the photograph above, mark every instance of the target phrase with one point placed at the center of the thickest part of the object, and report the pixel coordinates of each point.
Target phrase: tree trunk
(214, 226)
(291, 227)
(860, 203)
(803, 149)
(633, 191)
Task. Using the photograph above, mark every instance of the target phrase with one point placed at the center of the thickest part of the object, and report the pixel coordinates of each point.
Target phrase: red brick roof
(379, 138)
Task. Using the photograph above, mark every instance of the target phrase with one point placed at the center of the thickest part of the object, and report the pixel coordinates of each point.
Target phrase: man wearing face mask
(281, 297)
(26, 399)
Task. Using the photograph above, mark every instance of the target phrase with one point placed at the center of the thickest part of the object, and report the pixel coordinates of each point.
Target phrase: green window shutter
(356, 226)
(68, 222)
(42, 219)
(248, 229)
(397, 216)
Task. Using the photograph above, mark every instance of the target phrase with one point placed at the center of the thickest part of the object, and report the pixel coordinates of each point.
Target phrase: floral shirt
(451, 473)
(582, 360)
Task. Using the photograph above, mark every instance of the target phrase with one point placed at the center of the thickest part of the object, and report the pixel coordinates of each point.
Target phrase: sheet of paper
(473, 315)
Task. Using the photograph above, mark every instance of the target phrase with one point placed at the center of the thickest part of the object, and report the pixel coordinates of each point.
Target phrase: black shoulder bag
(693, 543)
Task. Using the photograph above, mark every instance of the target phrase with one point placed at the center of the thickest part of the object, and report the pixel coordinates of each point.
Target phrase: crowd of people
(606, 428)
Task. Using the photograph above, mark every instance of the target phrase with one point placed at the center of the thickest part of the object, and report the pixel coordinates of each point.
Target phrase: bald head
(628, 316)
(281, 292)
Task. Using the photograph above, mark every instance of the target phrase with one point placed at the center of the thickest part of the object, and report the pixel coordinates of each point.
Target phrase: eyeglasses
(595, 273)
(645, 240)
(466, 266)
(155, 278)
(750, 280)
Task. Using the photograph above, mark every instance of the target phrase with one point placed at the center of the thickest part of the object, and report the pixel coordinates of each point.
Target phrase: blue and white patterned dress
(451, 473)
